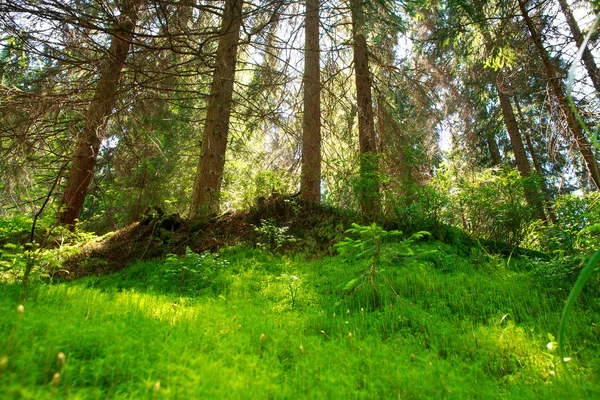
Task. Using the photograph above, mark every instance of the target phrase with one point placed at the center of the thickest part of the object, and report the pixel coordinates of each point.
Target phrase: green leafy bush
(489, 204)
(577, 229)
(366, 243)
(422, 208)
(270, 236)
(14, 226)
(29, 262)
(559, 273)
(192, 271)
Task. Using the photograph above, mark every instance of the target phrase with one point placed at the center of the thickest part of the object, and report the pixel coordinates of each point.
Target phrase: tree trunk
(88, 142)
(207, 186)
(531, 193)
(537, 166)
(310, 185)
(468, 111)
(556, 84)
(495, 157)
(369, 169)
(587, 57)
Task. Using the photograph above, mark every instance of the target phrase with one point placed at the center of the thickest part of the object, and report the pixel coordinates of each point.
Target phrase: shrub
(191, 272)
(489, 204)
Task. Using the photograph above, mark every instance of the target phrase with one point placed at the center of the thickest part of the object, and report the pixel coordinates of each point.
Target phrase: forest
(236, 199)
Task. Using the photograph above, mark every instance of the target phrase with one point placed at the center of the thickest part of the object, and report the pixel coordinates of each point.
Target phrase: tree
(531, 193)
(555, 81)
(587, 57)
(501, 84)
(209, 175)
(88, 142)
(310, 185)
(369, 168)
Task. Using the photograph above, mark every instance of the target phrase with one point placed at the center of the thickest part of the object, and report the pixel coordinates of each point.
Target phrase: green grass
(230, 331)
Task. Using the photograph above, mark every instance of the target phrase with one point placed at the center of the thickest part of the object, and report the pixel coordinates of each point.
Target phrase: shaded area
(315, 228)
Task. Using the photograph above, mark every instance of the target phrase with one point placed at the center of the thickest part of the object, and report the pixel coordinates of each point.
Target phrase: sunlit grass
(460, 328)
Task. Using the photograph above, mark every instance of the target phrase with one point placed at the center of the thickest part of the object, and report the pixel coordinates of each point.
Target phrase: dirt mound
(312, 226)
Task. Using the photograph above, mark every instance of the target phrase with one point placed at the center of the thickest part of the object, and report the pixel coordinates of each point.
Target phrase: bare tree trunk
(537, 166)
(207, 186)
(531, 194)
(369, 169)
(310, 185)
(88, 142)
(555, 82)
(587, 57)
(495, 157)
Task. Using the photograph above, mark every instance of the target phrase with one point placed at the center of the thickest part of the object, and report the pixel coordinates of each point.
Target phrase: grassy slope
(444, 336)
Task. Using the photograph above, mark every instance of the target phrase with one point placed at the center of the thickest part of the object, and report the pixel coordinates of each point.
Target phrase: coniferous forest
(279, 199)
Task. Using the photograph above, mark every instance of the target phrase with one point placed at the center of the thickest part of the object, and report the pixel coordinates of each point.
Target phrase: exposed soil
(157, 234)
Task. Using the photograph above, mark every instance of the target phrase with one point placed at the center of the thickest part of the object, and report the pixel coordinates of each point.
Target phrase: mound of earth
(310, 225)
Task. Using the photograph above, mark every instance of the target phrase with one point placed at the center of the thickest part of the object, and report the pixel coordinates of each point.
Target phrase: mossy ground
(460, 327)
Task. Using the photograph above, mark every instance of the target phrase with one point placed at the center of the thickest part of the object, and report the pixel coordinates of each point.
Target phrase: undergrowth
(248, 323)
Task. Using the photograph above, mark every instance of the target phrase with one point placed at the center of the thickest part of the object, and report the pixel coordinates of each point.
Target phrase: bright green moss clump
(458, 328)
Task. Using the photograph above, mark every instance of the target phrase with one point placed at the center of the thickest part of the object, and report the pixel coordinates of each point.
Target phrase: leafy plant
(367, 183)
(488, 204)
(368, 245)
(17, 262)
(584, 276)
(193, 271)
(24, 263)
(577, 229)
(420, 207)
(14, 227)
(270, 236)
(558, 273)
(293, 282)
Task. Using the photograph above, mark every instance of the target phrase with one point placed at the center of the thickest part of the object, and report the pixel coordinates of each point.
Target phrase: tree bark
(369, 169)
(537, 166)
(495, 157)
(209, 176)
(310, 184)
(531, 193)
(587, 57)
(88, 142)
(556, 84)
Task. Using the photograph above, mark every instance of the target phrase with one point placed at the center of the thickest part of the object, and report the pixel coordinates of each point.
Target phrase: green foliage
(15, 226)
(28, 262)
(368, 243)
(500, 58)
(17, 262)
(245, 185)
(367, 184)
(368, 246)
(570, 241)
(577, 229)
(558, 273)
(583, 278)
(192, 272)
(422, 208)
(459, 328)
(293, 283)
(489, 204)
(270, 236)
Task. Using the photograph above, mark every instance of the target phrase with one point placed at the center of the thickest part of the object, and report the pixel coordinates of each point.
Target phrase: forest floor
(238, 321)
